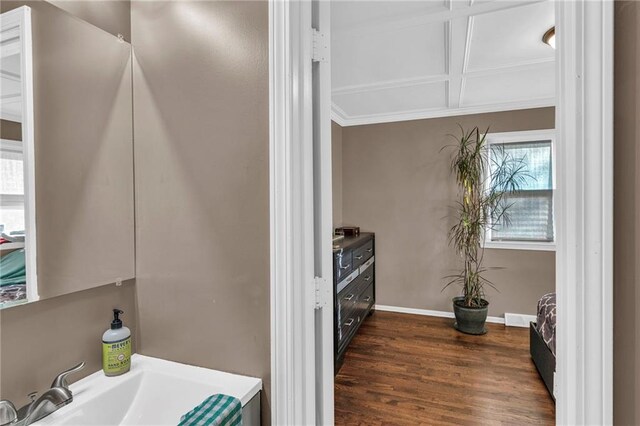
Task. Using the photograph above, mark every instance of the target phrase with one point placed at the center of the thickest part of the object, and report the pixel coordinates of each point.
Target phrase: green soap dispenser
(116, 347)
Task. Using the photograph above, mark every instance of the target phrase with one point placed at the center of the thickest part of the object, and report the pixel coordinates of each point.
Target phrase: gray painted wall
(626, 361)
(202, 183)
(336, 172)
(396, 182)
(113, 16)
(11, 130)
(41, 339)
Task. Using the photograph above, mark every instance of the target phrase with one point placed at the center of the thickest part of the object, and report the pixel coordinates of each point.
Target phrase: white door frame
(584, 271)
(584, 256)
(323, 210)
(301, 296)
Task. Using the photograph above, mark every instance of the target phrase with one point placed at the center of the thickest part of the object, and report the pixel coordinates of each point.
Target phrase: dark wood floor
(408, 369)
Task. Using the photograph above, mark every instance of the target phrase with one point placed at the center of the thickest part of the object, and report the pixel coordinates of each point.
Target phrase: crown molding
(338, 115)
(341, 118)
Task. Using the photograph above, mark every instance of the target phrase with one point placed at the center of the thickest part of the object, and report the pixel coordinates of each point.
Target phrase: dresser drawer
(365, 301)
(342, 265)
(353, 314)
(362, 253)
(346, 329)
(346, 302)
(365, 278)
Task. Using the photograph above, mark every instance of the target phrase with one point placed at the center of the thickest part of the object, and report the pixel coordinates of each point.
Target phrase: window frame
(13, 150)
(20, 19)
(516, 137)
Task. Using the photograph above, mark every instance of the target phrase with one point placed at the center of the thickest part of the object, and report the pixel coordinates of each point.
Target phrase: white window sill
(517, 245)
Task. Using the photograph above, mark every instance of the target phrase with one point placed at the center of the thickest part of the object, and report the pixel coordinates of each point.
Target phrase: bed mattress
(547, 320)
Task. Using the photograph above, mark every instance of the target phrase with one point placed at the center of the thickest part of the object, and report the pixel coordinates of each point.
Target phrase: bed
(543, 340)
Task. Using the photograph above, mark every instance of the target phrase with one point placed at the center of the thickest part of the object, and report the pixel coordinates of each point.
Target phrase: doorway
(584, 202)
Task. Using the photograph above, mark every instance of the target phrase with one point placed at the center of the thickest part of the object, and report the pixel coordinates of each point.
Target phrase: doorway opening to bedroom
(414, 85)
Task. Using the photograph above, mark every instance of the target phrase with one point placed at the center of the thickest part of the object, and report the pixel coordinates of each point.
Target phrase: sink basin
(154, 392)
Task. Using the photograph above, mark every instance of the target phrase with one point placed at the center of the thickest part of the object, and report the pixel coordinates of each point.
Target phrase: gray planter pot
(470, 320)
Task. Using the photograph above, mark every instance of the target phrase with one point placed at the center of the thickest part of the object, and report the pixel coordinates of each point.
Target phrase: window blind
(530, 211)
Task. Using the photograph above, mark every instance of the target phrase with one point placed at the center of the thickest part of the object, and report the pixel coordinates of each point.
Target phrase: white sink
(154, 392)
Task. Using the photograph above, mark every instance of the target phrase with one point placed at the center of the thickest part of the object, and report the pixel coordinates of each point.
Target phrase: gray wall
(336, 172)
(11, 130)
(202, 183)
(40, 339)
(626, 360)
(396, 182)
(113, 16)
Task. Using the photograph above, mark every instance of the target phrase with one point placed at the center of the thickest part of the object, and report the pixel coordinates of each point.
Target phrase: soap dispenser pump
(116, 347)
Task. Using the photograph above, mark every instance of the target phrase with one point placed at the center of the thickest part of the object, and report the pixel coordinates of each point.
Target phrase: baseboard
(429, 313)
(518, 320)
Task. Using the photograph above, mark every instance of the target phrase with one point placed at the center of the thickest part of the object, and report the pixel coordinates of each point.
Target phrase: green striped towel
(217, 410)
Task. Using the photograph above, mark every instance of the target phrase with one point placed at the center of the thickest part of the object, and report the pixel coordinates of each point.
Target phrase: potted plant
(483, 181)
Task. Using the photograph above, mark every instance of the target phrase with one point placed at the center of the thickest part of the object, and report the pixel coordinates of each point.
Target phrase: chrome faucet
(51, 400)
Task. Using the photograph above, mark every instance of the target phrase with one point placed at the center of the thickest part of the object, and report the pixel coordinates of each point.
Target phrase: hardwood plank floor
(405, 369)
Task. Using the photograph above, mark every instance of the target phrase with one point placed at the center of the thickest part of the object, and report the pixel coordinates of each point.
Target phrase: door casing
(301, 383)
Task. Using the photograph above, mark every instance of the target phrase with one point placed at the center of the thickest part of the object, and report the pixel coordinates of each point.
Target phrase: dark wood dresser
(354, 288)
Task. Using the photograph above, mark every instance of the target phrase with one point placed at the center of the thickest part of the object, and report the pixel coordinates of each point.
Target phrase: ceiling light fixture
(550, 37)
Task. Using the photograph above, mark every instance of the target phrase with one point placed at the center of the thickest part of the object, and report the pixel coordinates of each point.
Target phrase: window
(11, 186)
(530, 224)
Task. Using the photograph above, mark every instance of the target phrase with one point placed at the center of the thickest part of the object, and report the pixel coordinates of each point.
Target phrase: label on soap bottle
(116, 357)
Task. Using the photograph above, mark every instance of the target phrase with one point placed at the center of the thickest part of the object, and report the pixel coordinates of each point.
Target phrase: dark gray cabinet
(354, 288)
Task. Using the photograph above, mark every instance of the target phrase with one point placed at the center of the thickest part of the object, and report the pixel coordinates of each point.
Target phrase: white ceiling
(404, 60)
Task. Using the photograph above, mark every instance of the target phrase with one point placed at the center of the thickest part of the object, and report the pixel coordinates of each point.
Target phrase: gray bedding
(546, 321)
(12, 293)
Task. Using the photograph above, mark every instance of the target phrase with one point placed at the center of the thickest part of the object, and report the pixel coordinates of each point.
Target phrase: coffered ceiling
(404, 60)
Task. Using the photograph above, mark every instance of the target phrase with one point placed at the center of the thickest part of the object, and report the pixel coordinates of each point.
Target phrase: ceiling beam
(455, 11)
(406, 82)
(389, 84)
(457, 52)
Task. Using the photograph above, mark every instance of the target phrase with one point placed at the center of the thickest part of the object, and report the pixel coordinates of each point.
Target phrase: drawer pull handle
(369, 250)
(345, 267)
(366, 299)
(358, 257)
(367, 278)
(348, 297)
(349, 322)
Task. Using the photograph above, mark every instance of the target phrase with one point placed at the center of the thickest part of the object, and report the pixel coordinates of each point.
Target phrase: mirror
(67, 202)
(17, 245)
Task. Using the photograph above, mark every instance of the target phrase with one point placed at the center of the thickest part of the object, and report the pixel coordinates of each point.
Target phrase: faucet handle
(61, 380)
(8, 413)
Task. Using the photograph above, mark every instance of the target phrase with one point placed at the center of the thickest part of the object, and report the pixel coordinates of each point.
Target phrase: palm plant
(484, 175)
